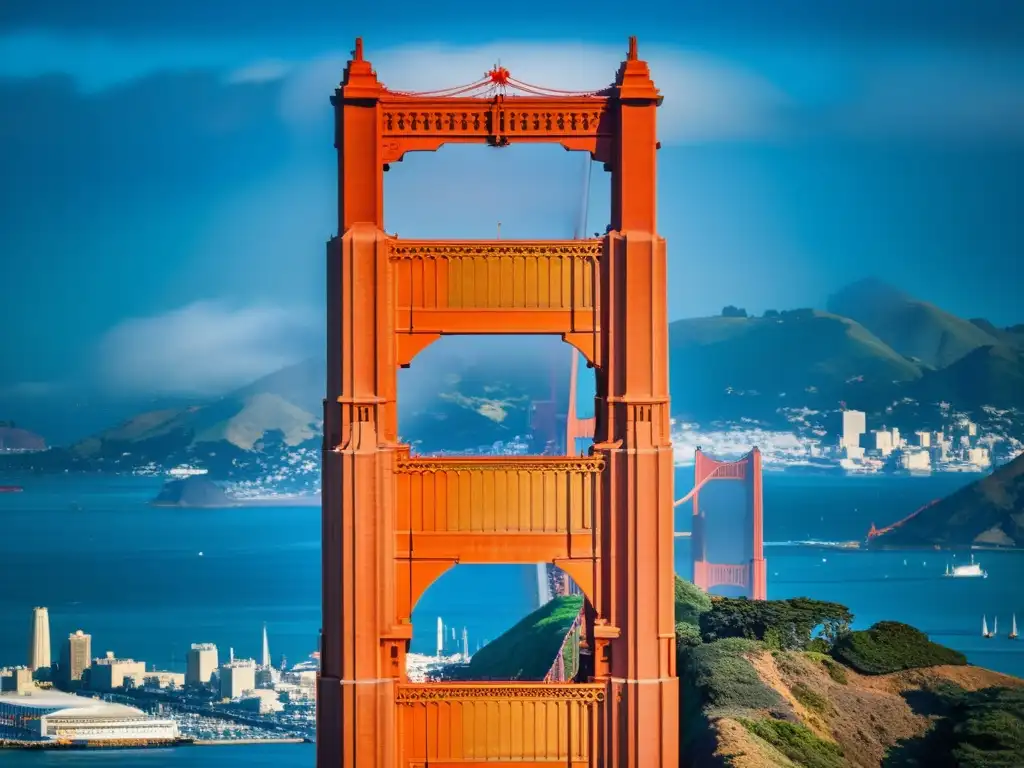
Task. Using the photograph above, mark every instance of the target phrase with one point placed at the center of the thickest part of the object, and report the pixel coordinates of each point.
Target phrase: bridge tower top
(615, 124)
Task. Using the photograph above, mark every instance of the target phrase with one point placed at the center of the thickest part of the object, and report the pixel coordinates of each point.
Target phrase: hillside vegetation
(786, 683)
(803, 356)
(914, 328)
(527, 650)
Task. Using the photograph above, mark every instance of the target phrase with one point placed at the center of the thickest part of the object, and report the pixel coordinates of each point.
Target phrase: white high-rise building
(39, 640)
(854, 425)
(200, 664)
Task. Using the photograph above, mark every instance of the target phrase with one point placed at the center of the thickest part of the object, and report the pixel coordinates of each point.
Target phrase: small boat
(11, 489)
(971, 571)
(984, 628)
(1013, 628)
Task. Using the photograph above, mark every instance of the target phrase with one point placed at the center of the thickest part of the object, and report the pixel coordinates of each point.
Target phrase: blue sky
(168, 177)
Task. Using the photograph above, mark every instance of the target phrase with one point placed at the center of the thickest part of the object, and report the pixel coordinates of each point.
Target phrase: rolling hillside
(724, 366)
(911, 327)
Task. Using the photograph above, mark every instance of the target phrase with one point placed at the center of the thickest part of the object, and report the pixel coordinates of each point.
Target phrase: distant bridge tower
(751, 574)
(544, 420)
(575, 427)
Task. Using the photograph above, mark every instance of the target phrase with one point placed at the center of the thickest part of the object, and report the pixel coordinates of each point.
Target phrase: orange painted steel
(393, 523)
(535, 724)
(753, 575)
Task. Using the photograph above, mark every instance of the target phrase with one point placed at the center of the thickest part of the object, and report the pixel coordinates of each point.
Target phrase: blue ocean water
(102, 560)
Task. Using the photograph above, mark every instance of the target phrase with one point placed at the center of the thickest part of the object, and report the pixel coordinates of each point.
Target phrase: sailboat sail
(995, 626)
(1013, 626)
(984, 626)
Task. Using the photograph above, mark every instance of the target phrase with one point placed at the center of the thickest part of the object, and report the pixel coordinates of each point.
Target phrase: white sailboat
(984, 627)
(995, 627)
(1013, 628)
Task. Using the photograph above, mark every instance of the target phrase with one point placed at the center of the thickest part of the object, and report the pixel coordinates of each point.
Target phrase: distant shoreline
(298, 500)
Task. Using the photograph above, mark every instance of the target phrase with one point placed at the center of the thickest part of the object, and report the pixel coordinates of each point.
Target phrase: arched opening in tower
(496, 622)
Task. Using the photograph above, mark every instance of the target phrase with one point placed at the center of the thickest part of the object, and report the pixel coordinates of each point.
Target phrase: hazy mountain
(911, 327)
(733, 367)
(989, 511)
(14, 438)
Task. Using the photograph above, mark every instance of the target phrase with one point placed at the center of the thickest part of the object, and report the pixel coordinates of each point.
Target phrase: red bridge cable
(496, 81)
(443, 92)
(550, 91)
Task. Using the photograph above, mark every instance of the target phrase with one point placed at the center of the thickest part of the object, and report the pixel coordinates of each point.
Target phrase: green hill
(989, 511)
(990, 375)
(913, 328)
(527, 650)
(725, 365)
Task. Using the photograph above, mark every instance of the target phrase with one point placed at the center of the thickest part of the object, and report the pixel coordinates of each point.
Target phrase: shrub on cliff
(725, 679)
(797, 742)
(890, 646)
(781, 623)
(980, 729)
(691, 602)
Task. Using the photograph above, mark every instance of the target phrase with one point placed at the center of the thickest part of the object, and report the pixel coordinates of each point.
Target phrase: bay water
(146, 582)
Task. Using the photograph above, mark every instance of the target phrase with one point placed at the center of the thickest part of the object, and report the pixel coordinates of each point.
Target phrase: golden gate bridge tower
(750, 575)
(393, 522)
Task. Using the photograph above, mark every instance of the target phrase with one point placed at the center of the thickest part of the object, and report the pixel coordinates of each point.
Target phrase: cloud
(259, 72)
(705, 97)
(205, 348)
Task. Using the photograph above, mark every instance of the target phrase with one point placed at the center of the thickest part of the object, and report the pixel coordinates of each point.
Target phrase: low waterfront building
(979, 457)
(155, 679)
(16, 680)
(236, 676)
(915, 461)
(109, 673)
(262, 701)
(49, 715)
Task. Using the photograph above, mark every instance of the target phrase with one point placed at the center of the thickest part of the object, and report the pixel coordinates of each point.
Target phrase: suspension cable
(496, 81)
(581, 222)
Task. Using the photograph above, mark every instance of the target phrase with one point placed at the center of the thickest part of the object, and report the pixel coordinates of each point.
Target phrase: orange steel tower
(392, 523)
(752, 576)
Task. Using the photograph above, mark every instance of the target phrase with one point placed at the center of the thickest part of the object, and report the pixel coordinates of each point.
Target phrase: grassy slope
(528, 649)
(775, 361)
(913, 328)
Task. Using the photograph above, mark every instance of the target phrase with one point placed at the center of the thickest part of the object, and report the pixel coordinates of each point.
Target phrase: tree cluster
(786, 624)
